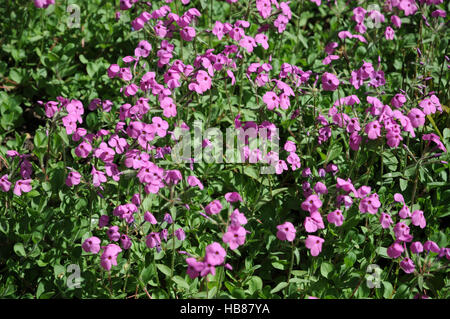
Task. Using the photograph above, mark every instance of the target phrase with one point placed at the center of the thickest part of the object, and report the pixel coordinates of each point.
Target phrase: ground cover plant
(224, 149)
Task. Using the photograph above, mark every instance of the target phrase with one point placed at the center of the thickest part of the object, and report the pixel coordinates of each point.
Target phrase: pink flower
(83, 150)
(237, 219)
(286, 231)
(233, 197)
(187, 33)
(215, 254)
(416, 247)
(417, 117)
(312, 204)
(98, 177)
(143, 49)
(148, 217)
(5, 184)
(194, 181)
(329, 82)
(289, 146)
(194, 267)
(179, 234)
(314, 244)
(407, 265)
(396, 21)
(73, 178)
(125, 241)
(320, 188)
(336, 217)
(153, 240)
(235, 237)
(22, 185)
(395, 250)
(313, 222)
(103, 221)
(431, 246)
(91, 245)
(109, 256)
(418, 219)
(385, 220)
(370, 204)
(271, 99)
(373, 130)
(213, 208)
(389, 33)
(247, 43)
(404, 212)
(401, 231)
(113, 233)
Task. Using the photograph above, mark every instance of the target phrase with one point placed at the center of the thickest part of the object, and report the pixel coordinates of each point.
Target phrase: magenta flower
(194, 181)
(312, 204)
(91, 245)
(98, 177)
(214, 207)
(235, 237)
(395, 250)
(73, 178)
(113, 233)
(416, 247)
(109, 256)
(153, 240)
(404, 212)
(320, 188)
(336, 217)
(5, 184)
(215, 254)
(329, 82)
(103, 221)
(417, 117)
(389, 33)
(386, 220)
(401, 231)
(233, 197)
(407, 265)
(431, 246)
(418, 219)
(373, 130)
(314, 244)
(370, 204)
(271, 99)
(237, 219)
(286, 231)
(143, 49)
(125, 241)
(83, 150)
(148, 217)
(194, 267)
(22, 185)
(179, 233)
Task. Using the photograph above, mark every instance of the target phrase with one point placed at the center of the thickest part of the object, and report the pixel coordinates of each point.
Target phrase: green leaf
(181, 283)
(164, 269)
(325, 269)
(255, 284)
(278, 265)
(19, 249)
(388, 289)
(147, 273)
(279, 287)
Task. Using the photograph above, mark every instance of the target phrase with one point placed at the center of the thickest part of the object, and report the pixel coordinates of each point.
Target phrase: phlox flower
(286, 231)
(314, 244)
